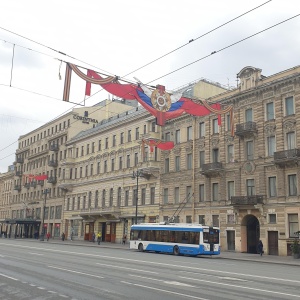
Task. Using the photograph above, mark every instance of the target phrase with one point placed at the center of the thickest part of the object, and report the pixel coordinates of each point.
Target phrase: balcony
(54, 147)
(247, 129)
(149, 167)
(20, 160)
(52, 163)
(287, 157)
(17, 187)
(52, 179)
(246, 200)
(19, 173)
(212, 169)
(27, 185)
(40, 182)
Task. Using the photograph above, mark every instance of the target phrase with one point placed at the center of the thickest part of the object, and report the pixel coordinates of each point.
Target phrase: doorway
(250, 234)
(273, 242)
(231, 240)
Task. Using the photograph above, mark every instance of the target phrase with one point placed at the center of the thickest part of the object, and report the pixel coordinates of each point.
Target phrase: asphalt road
(40, 270)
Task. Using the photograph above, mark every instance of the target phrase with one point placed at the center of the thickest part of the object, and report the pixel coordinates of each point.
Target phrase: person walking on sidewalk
(48, 236)
(93, 237)
(99, 235)
(63, 236)
(260, 248)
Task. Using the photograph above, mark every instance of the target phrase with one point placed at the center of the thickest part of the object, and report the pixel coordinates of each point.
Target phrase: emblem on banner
(160, 99)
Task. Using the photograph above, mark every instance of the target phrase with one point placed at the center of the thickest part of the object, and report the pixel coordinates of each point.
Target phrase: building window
(202, 219)
(114, 140)
(137, 133)
(230, 158)
(215, 220)
(188, 219)
(105, 166)
(215, 191)
(249, 150)
(250, 187)
(134, 197)
(177, 136)
(93, 147)
(111, 197)
(293, 225)
(189, 161)
(90, 200)
(271, 145)
(84, 202)
(99, 145)
(129, 136)
(128, 161)
(272, 187)
(106, 143)
(167, 165)
(82, 150)
(92, 169)
(228, 122)
(145, 129)
(143, 196)
(272, 218)
(153, 127)
(167, 136)
(230, 189)
(215, 155)
(176, 195)
(98, 167)
(136, 159)
(177, 163)
(103, 197)
(112, 164)
(289, 106)
(189, 193)
(290, 140)
(189, 133)
(201, 129)
(201, 158)
(126, 198)
(119, 197)
(166, 196)
(292, 182)
(152, 195)
(96, 199)
(249, 115)
(201, 193)
(270, 111)
(120, 162)
(122, 138)
(88, 149)
(215, 126)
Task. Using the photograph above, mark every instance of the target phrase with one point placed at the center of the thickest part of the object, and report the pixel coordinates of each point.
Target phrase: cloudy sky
(118, 37)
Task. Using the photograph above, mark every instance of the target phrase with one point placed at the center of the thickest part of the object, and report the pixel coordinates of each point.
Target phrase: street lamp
(137, 174)
(46, 191)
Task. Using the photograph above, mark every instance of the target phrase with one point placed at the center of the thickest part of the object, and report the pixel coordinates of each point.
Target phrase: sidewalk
(273, 259)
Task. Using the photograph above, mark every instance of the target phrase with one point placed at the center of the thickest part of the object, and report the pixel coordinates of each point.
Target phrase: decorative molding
(215, 142)
(289, 125)
(270, 129)
(249, 167)
(229, 139)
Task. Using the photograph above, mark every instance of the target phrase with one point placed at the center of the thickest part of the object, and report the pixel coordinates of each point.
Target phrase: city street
(30, 269)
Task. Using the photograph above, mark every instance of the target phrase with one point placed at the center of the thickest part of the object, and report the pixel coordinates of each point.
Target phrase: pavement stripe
(72, 271)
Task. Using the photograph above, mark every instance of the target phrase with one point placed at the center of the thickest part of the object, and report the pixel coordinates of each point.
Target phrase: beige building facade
(106, 178)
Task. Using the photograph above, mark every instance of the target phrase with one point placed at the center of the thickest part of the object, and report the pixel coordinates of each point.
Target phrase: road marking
(153, 263)
(240, 287)
(33, 253)
(72, 271)
(164, 291)
(64, 296)
(52, 292)
(1, 255)
(130, 269)
(40, 288)
(9, 277)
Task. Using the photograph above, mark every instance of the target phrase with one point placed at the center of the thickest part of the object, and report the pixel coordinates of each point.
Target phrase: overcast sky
(120, 36)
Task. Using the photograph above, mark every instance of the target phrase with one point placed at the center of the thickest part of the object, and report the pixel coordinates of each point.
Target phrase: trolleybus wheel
(176, 250)
(141, 247)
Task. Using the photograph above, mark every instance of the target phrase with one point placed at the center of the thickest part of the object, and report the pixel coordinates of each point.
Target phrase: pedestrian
(124, 239)
(99, 235)
(63, 236)
(93, 237)
(48, 236)
(260, 248)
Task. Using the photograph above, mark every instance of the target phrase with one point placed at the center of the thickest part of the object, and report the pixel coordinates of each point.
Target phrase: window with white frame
(272, 218)
(215, 191)
(250, 187)
(177, 136)
(176, 195)
(249, 115)
(177, 163)
(201, 129)
(167, 165)
(201, 193)
(201, 158)
(189, 161)
(290, 140)
(271, 145)
(249, 150)
(230, 157)
(272, 186)
(293, 225)
(230, 189)
(228, 122)
(189, 193)
(167, 136)
(270, 111)
(189, 133)
(166, 196)
(289, 106)
(215, 126)
(292, 182)
(215, 220)
(215, 155)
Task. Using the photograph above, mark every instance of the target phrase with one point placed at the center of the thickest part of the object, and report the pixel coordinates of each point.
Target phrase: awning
(22, 221)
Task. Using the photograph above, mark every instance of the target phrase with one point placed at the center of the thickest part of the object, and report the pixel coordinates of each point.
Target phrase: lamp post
(137, 174)
(46, 191)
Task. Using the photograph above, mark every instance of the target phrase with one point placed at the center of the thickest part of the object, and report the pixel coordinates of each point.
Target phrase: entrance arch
(250, 234)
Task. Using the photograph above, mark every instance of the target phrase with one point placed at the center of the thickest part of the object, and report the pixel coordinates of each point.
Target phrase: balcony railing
(287, 156)
(247, 200)
(212, 169)
(52, 179)
(40, 182)
(20, 160)
(27, 185)
(246, 129)
(33, 184)
(17, 187)
(52, 163)
(19, 173)
(54, 147)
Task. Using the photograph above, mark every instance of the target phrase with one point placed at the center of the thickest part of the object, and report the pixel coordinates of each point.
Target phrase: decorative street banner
(158, 102)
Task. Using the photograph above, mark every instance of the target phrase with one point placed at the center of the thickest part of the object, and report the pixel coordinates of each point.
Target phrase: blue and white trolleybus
(176, 238)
